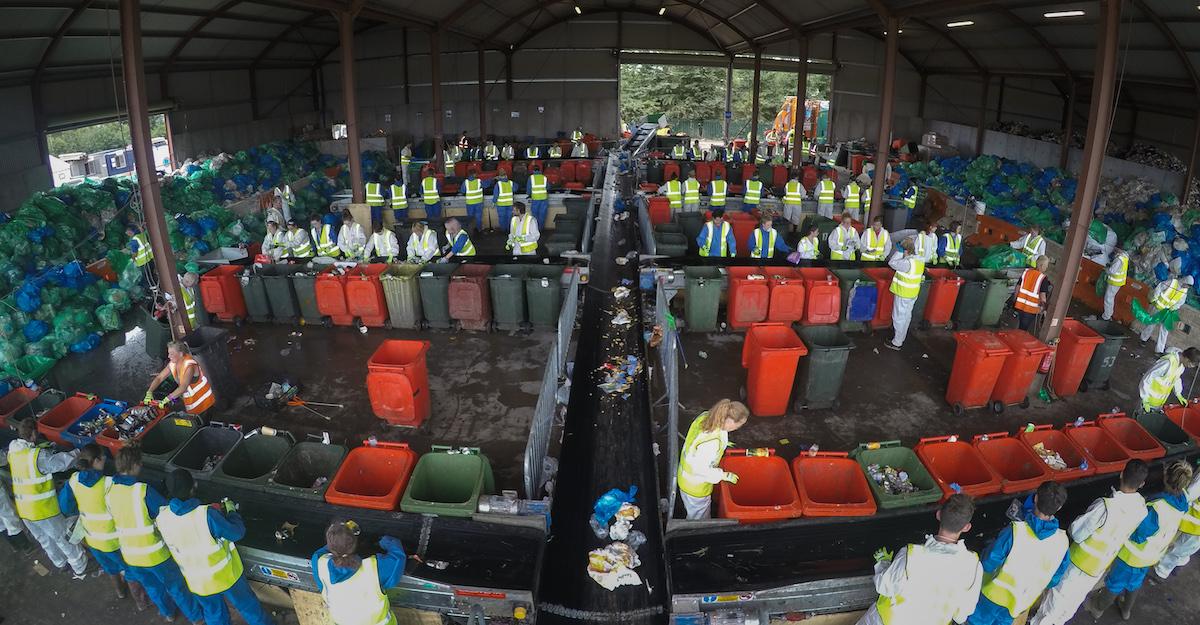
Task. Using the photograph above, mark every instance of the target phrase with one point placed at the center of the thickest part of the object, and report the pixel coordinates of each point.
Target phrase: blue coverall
(110, 562)
(474, 211)
(714, 249)
(780, 245)
(503, 212)
(1124, 578)
(390, 565)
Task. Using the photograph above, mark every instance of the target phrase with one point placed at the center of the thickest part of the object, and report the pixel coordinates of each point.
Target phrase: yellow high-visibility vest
(696, 436)
(144, 254)
(908, 283)
(33, 490)
(358, 600)
(675, 193)
(505, 196)
(826, 191)
(691, 191)
(474, 191)
(876, 244)
(325, 244)
(793, 193)
(99, 530)
(753, 193)
(374, 194)
(1092, 556)
(1027, 571)
(934, 600)
(1118, 278)
(718, 193)
(758, 251)
(141, 544)
(722, 246)
(429, 190)
(1148, 553)
(399, 196)
(953, 248)
(1171, 296)
(852, 196)
(1162, 386)
(209, 565)
(537, 187)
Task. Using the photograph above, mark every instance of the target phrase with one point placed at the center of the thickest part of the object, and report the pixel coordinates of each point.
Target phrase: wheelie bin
(158, 333)
(1169, 435)
(135, 428)
(1020, 469)
(1056, 441)
(1099, 368)
(90, 424)
(787, 294)
(222, 293)
(823, 296)
(830, 484)
(692, 224)
(543, 295)
(434, 281)
(330, 288)
(883, 289)
(978, 360)
(673, 244)
(1016, 376)
(258, 308)
(956, 463)
(403, 295)
(876, 458)
(1186, 417)
(969, 306)
(1101, 450)
(210, 348)
(1076, 345)
(398, 382)
(770, 355)
(1134, 438)
(373, 476)
(859, 298)
(448, 482)
(14, 406)
(305, 285)
(821, 373)
(306, 470)
(281, 294)
(165, 437)
(55, 421)
(251, 464)
(944, 285)
(749, 296)
(507, 286)
(765, 491)
(204, 450)
(364, 295)
(998, 288)
(702, 298)
(470, 302)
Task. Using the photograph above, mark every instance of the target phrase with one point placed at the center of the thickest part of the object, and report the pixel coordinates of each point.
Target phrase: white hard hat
(1189, 280)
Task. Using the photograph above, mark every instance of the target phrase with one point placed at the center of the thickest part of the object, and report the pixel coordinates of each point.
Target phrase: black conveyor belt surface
(607, 443)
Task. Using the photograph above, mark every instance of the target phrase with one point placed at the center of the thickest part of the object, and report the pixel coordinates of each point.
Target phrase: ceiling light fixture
(662, 10)
(960, 24)
(898, 32)
(578, 11)
(1055, 14)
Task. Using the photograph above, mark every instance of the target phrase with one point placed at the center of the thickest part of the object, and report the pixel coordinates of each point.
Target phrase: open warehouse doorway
(100, 150)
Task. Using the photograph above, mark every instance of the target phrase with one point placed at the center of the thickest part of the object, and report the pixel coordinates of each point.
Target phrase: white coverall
(808, 248)
(515, 238)
(1160, 345)
(705, 460)
(1038, 252)
(388, 246)
(1060, 603)
(1185, 545)
(902, 307)
(891, 579)
(296, 240)
(274, 245)
(54, 533)
(352, 240)
(8, 514)
(1110, 291)
(864, 242)
(1099, 252)
(850, 239)
(422, 249)
(1160, 368)
(929, 244)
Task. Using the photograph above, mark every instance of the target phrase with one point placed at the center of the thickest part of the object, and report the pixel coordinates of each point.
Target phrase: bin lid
(984, 341)
(1021, 341)
(1081, 332)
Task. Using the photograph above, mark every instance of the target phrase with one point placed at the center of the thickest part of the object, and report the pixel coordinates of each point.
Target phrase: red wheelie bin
(471, 298)
(770, 355)
(823, 295)
(398, 382)
(1028, 353)
(749, 296)
(787, 294)
(977, 363)
(1075, 347)
(1019, 467)
(330, 287)
(1058, 442)
(221, 290)
(365, 299)
(765, 491)
(943, 292)
(957, 466)
(883, 285)
(1101, 450)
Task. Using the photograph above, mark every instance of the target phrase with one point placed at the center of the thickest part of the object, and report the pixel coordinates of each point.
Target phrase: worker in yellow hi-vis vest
(700, 458)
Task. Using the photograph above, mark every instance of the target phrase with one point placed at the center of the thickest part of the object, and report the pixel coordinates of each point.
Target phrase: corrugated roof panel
(215, 48)
(20, 53)
(24, 21)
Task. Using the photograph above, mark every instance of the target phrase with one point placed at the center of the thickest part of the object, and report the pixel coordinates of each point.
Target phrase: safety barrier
(538, 445)
(668, 356)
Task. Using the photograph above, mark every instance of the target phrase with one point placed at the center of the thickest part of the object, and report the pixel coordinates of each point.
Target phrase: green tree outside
(100, 137)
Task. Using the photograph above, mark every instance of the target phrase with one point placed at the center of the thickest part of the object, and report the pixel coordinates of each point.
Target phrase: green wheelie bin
(434, 281)
(999, 285)
(702, 298)
(507, 285)
(822, 371)
(281, 294)
(543, 295)
(403, 294)
(971, 296)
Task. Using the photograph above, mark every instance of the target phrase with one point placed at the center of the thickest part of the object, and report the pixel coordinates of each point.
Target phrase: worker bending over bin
(382, 245)
(323, 237)
(1165, 378)
(458, 243)
(809, 246)
(875, 242)
(1187, 543)
(352, 239)
(1168, 295)
(716, 237)
(1146, 547)
(422, 243)
(932, 583)
(191, 383)
(1033, 291)
(1116, 275)
(201, 539)
(1096, 537)
(906, 286)
(353, 586)
(1029, 556)
(298, 243)
(84, 497)
(700, 458)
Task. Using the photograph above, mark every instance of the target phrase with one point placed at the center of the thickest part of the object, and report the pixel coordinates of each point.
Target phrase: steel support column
(483, 107)
(728, 100)
(801, 93)
(982, 127)
(1064, 151)
(833, 55)
(133, 67)
(754, 105)
(1191, 169)
(350, 104)
(887, 103)
(435, 70)
(1099, 119)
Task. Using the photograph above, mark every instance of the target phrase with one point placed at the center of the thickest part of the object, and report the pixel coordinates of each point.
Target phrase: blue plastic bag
(35, 330)
(609, 503)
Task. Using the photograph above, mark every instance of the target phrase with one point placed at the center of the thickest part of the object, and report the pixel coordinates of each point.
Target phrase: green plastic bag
(1165, 318)
(119, 299)
(109, 317)
(33, 366)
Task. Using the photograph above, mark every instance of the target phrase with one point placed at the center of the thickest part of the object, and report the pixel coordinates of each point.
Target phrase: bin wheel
(837, 403)
(950, 325)
(868, 329)
(997, 406)
(357, 323)
(925, 325)
(958, 409)
(742, 392)
(327, 322)
(387, 324)
(1024, 403)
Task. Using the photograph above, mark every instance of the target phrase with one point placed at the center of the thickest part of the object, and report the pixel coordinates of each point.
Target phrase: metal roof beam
(717, 45)
(1169, 35)
(153, 10)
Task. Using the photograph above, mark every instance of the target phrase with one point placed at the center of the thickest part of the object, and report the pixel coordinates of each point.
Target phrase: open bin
(114, 439)
(372, 476)
(1100, 367)
(821, 373)
(1138, 443)
(823, 299)
(702, 298)
(770, 354)
(787, 294)
(469, 297)
(884, 296)
(398, 382)
(254, 292)
(955, 462)
(902, 459)
(978, 360)
(252, 462)
(765, 491)
(55, 421)
(749, 296)
(1020, 468)
(90, 424)
(14, 406)
(160, 442)
(330, 288)
(1076, 345)
(1016, 376)
(944, 285)
(831, 484)
(507, 285)
(204, 450)
(403, 295)
(1099, 447)
(221, 292)
(306, 470)
(281, 293)
(448, 482)
(859, 298)
(1056, 441)
(434, 281)
(304, 283)
(364, 295)
(1168, 433)
(998, 286)
(543, 295)
(969, 306)
(1186, 417)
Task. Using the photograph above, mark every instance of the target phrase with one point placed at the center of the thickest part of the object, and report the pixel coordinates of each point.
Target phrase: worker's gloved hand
(163, 403)
(229, 506)
(732, 478)
(883, 554)
(149, 398)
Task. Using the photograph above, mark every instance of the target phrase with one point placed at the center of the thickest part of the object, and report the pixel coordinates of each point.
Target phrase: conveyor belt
(607, 443)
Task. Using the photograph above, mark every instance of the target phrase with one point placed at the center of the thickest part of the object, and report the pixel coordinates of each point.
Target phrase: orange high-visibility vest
(198, 396)
(1027, 299)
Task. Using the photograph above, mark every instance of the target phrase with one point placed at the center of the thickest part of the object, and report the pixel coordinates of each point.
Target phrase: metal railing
(544, 413)
(644, 226)
(668, 355)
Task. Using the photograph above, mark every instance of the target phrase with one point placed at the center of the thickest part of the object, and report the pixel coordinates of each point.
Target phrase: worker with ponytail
(700, 460)
(354, 586)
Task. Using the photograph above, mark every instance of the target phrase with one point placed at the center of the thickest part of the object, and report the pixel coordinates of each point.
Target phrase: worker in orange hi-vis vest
(1033, 291)
(193, 386)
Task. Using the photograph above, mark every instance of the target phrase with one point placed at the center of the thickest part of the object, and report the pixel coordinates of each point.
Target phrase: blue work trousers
(243, 600)
(166, 588)
(505, 215)
(539, 208)
(475, 211)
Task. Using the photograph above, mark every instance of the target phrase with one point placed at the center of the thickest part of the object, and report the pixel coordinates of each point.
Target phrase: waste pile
(893, 481)
(612, 519)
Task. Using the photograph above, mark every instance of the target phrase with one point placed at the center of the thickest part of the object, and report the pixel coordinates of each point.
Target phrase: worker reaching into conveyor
(192, 386)
(700, 459)
(1165, 378)
(353, 586)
